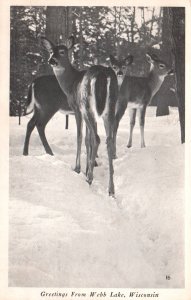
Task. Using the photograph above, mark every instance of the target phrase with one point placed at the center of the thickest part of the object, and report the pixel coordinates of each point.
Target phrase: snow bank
(63, 233)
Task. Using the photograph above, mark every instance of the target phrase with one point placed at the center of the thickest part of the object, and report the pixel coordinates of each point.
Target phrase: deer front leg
(120, 110)
(30, 126)
(79, 124)
(132, 116)
(88, 149)
(142, 113)
(110, 148)
(116, 124)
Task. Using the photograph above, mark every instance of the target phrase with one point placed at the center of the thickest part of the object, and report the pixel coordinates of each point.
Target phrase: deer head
(58, 54)
(158, 66)
(120, 66)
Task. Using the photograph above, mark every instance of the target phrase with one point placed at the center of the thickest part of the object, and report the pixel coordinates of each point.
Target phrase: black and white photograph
(96, 152)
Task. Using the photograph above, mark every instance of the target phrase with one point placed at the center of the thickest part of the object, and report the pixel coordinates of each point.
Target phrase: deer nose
(52, 61)
(120, 73)
(171, 72)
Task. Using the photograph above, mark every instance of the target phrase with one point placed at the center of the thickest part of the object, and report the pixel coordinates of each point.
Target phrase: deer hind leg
(30, 126)
(42, 120)
(93, 140)
(132, 115)
(110, 149)
(79, 124)
(88, 149)
(142, 113)
(41, 131)
(120, 110)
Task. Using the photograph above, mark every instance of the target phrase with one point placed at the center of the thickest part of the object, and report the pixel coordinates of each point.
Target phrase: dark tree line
(178, 44)
(99, 31)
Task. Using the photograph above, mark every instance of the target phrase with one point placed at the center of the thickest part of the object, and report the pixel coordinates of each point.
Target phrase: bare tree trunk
(59, 27)
(56, 19)
(162, 104)
(143, 23)
(159, 25)
(81, 40)
(132, 25)
(178, 43)
(115, 25)
(152, 21)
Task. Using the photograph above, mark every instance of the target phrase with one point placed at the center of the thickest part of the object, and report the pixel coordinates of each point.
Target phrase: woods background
(99, 31)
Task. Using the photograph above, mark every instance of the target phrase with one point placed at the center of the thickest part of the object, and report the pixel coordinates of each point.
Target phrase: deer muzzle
(52, 62)
(171, 72)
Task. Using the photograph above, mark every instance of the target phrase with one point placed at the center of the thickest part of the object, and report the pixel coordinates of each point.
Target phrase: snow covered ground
(63, 233)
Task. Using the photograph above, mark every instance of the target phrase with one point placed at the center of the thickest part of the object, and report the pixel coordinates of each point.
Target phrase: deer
(45, 98)
(137, 93)
(91, 93)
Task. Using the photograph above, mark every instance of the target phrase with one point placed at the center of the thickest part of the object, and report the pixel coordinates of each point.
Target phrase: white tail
(45, 98)
(90, 93)
(137, 92)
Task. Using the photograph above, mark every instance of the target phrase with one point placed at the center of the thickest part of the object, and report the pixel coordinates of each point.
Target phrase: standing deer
(45, 98)
(137, 93)
(90, 94)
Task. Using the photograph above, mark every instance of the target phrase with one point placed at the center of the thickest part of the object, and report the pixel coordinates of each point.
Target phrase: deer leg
(120, 110)
(110, 148)
(142, 113)
(88, 149)
(132, 115)
(43, 118)
(67, 121)
(41, 131)
(96, 164)
(30, 126)
(79, 124)
(94, 142)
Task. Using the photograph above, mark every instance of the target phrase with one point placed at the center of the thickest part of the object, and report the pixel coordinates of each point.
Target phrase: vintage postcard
(95, 150)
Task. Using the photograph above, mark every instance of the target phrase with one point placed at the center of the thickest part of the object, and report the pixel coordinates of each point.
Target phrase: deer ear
(48, 45)
(152, 57)
(70, 42)
(155, 57)
(149, 58)
(128, 60)
(112, 59)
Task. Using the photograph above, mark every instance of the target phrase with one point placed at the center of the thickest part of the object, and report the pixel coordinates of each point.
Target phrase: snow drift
(63, 233)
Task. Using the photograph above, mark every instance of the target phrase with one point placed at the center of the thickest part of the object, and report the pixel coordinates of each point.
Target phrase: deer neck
(120, 80)
(66, 77)
(155, 81)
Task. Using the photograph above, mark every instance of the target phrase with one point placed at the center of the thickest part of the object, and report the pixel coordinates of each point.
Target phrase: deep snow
(63, 233)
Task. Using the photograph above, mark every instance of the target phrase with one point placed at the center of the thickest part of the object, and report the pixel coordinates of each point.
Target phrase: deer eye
(161, 66)
(114, 67)
(123, 67)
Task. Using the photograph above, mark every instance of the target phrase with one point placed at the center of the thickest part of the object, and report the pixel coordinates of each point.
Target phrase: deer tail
(100, 92)
(30, 100)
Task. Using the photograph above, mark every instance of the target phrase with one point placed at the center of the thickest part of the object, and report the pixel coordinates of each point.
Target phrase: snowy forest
(63, 232)
(99, 32)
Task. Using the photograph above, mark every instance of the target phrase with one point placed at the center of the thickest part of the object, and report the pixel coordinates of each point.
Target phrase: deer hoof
(89, 178)
(129, 145)
(96, 164)
(77, 170)
(112, 194)
(111, 190)
(89, 181)
(50, 153)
